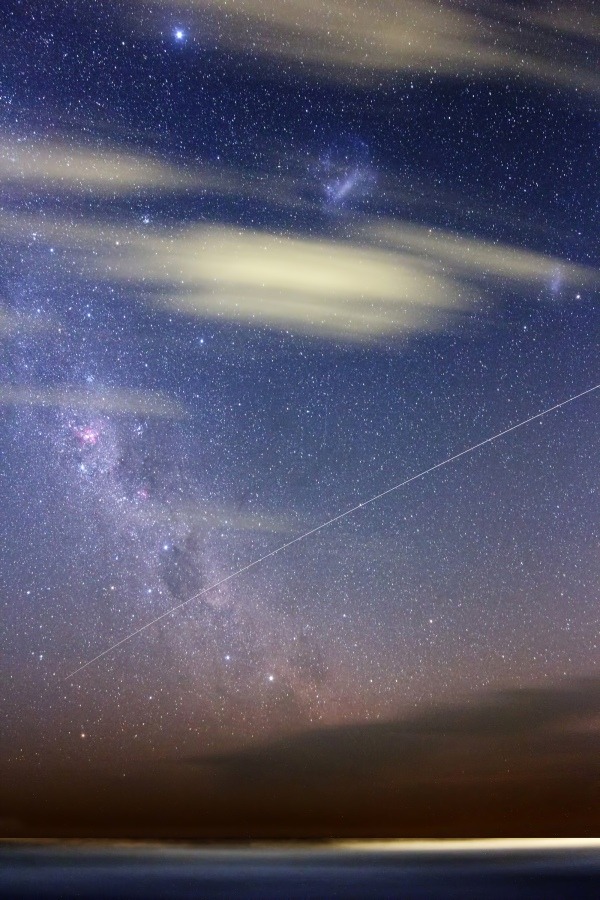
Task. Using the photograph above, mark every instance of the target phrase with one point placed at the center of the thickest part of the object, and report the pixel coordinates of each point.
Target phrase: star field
(257, 266)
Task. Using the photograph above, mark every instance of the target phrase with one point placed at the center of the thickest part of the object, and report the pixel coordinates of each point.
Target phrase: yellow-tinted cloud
(117, 401)
(13, 322)
(392, 279)
(69, 166)
(317, 287)
(469, 257)
(107, 171)
(360, 40)
(195, 515)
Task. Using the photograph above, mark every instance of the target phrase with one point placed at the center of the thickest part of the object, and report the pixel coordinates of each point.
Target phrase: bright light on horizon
(477, 844)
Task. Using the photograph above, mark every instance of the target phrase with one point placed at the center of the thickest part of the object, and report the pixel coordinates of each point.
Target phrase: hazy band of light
(376, 845)
(390, 279)
(470, 257)
(103, 170)
(336, 518)
(362, 41)
(12, 322)
(109, 400)
(213, 516)
(498, 844)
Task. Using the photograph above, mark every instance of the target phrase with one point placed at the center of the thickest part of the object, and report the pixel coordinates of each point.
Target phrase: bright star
(179, 34)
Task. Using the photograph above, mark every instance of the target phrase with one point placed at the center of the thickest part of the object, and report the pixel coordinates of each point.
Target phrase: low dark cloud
(510, 763)
(524, 759)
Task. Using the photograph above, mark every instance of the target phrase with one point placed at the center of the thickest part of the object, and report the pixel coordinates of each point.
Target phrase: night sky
(261, 261)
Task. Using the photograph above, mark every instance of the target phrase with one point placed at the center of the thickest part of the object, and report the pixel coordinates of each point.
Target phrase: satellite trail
(337, 518)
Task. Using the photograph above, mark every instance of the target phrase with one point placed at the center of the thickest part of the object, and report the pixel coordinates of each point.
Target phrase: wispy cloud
(12, 322)
(390, 278)
(518, 722)
(105, 170)
(117, 401)
(227, 518)
(317, 287)
(325, 288)
(467, 256)
(363, 40)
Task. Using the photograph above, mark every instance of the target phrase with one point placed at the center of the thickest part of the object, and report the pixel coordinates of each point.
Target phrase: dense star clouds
(259, 264)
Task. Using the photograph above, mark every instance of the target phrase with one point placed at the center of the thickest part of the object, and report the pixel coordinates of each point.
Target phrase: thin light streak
(477, 845)
(337, 518)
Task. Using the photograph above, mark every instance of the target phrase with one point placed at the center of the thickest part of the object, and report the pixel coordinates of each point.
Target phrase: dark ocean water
(261, 873)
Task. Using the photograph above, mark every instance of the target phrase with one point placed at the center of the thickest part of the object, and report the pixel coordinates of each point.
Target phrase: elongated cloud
(361, 40)
(467, 256)
(103, 169)
(12, 322)
(521, 761)
(323, 288)
(210, 515)
(391, 279)
(525, 756)
(318, 287)
(118, 401)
